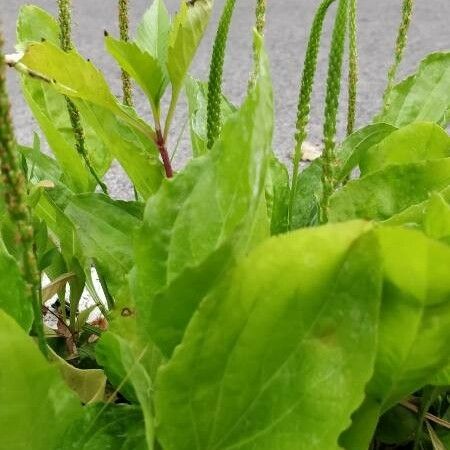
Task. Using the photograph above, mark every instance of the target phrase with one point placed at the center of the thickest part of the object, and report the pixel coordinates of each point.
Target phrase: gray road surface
(288, 23)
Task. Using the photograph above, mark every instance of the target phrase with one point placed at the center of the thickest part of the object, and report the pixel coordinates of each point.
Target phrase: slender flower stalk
(306, 87)
(402, 39)
(332, 105)
(260, 28)
(214, 119)
(15, 195)
(65, 24)
(124, 27)
(353, 66)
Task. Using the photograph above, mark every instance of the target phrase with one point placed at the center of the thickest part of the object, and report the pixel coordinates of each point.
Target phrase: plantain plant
(241, 303)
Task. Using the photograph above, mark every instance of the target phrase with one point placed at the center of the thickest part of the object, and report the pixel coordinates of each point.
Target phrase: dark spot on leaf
(127, 312)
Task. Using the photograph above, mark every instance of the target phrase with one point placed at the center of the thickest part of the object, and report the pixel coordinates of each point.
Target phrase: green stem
(353, 67)
(214, 112)
(171, 113)
(306, 87)
(124, 26)
(14, 191)
(402, 39)
(65, 24)
(332, 105)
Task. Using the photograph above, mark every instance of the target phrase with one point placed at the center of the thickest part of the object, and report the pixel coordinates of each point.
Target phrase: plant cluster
(244, 305)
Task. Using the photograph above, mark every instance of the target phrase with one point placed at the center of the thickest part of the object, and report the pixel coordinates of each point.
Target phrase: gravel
(288, 23)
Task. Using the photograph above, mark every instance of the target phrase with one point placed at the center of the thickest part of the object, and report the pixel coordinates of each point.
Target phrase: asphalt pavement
(288, 23)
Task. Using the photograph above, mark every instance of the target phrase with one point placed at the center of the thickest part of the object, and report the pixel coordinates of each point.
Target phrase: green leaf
(197, 96)
(141, 66)
(414, 325)
(40, 166)
(437, 218)
(50, 110)
(37, 407)
(105, 231)
(135, 152)
(113, 354)
(153, 31)
(397, 426)
(14, 299)
(445, 439)
(382, 194)
(59, 224)
(420, 141)
(196, 222)
(34, 24)
(277, 196)
(308, 192)
(414, 216)
(442, 378)
(279, 354)
(112, 427)
(355, 146)
(423, 97)
(72, 75)
(88, 384)
(125, 368)
(186, 33)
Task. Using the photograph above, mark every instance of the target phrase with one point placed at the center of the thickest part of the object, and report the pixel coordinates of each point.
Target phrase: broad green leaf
(88, 384)
(34, 24)
(277, 196)
(414, 216)
(48, 107)
(14, 299)
(126, 370)
(37, 407)
(355, 146)
(308, 192)
(39, 166)
(442, 378)
(59, 225)
(445, 439)
(420, 141)
(422, 97)
(306, 201)
(135, 152)
(382, 194)
(112, 427)
(414, 328)
(50, 110)
(105, 230)
(141, 66)
(108, 353)
(198, 221)
(153, 31)
(397, 426)
(186, 33)
(197, 96)
(279, 354)
(437, 218)
(72, 75)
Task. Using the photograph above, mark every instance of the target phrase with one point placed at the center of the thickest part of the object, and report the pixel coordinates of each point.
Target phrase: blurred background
(288, 24)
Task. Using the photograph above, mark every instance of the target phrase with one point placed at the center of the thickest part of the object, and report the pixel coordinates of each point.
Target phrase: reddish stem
(160, 142)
